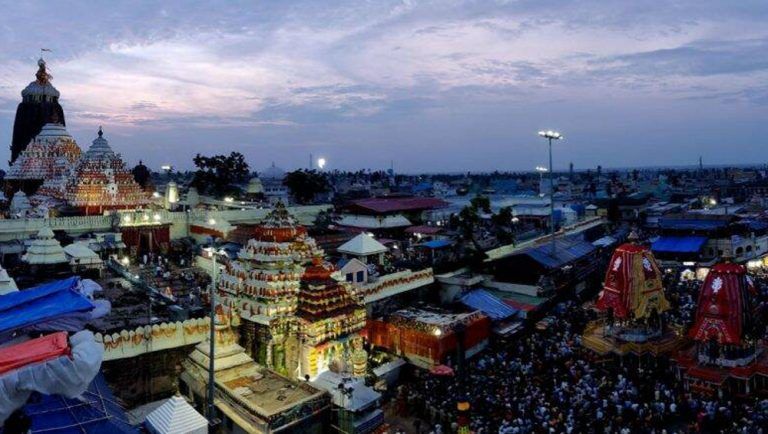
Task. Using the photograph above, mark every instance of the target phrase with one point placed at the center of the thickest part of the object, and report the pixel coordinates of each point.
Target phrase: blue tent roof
(566, 251)
(436, 244)
(692, 224)
(40, 304)
(488, 304)
(689, 244)
(95, 412)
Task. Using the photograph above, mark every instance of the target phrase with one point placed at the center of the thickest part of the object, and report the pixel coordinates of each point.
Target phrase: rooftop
(384, 205)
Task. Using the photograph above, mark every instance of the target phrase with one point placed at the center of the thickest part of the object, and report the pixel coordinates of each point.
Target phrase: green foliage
(481, 203)
(305, 185)
(215, 175)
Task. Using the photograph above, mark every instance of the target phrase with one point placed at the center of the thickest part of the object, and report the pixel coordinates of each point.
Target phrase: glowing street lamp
(551, 135)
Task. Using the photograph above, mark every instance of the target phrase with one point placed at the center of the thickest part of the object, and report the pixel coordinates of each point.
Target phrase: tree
(305, 185)
(142, 175)
(502, 223)
(216, 174)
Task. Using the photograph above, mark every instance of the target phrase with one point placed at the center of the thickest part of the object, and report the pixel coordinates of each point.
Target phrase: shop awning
(682, 244)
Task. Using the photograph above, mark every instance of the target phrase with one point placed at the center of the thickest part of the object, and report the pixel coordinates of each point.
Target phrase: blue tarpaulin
(692, 224)
(41, 304)
(566, 251)
(436, 244)
(488, 304)
(672, 244)
(95, 412)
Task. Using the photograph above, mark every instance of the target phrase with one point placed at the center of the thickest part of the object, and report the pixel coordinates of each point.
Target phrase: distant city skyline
(433, 86)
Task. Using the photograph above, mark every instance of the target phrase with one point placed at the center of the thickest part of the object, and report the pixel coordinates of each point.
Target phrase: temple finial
(101, 132)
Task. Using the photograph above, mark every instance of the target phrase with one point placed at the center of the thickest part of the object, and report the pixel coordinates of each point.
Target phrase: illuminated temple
(46, 163)
(49, 166)
(102, 182)
(298, 317)
(632, 303)
(727, 354)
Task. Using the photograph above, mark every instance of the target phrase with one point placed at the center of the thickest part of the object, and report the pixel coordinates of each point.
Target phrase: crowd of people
(546, 382)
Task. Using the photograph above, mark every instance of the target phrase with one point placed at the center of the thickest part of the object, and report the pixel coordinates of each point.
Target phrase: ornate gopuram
(297, 317)
(727, 355)
(330, 316)
(632, 304)
(101, 182)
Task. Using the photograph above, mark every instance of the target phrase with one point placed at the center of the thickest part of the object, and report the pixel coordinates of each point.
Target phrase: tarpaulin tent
(94, 412)
(41, 304)
(33, 351)
(67, 374)
(682, 244)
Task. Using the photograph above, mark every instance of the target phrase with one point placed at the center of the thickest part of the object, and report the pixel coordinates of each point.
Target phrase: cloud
(389, 75)
(700, 58)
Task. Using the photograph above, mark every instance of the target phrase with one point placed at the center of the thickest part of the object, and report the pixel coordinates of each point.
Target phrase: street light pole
(212, 347)
(551, 135)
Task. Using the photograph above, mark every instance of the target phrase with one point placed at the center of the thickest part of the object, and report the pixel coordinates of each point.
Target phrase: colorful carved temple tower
(294, 315)
(632, 304)
(727, 355)
(39, 106)
(45, 163)
(102, 182)
(330, 317)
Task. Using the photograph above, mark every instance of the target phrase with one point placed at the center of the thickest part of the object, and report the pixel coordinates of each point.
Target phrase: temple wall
(396, 283)
(12, 229)
(148, 339)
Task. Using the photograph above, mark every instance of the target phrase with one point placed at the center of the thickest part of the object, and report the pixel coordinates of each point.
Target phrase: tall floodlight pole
(551, 135)
(212, 347)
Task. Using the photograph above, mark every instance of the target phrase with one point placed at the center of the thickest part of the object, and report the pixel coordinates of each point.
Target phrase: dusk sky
(435, 86)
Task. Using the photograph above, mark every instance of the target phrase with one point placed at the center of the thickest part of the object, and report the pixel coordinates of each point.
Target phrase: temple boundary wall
(20, 229)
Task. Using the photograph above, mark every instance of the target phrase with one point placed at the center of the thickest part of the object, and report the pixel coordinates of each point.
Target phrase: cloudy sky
(431, 85)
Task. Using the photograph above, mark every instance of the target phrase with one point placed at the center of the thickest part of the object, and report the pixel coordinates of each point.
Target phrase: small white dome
(272, 173)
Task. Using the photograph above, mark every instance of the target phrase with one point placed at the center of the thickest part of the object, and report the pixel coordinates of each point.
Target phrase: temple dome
(101, 181)
(99, 148)
(39, 106)
(272, 173)
(45, 249)
(254, 186)
(42, 86)
(49, 157)
(7, 284)
(52, 132)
